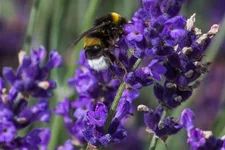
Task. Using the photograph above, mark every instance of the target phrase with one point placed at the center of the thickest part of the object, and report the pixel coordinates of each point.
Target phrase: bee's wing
(85, 33)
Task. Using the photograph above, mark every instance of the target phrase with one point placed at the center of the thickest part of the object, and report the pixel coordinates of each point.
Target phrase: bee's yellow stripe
(115, 17)
(90, 41)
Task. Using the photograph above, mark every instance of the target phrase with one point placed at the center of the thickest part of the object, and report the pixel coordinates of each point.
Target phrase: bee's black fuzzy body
(97, 42)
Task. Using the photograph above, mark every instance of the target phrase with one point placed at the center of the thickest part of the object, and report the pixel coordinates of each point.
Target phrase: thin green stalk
(89, 15)
(57, 123)
(219, 122)
(137, 63)
(31, 25)
(28, 39)
(117, 98)
(114, 105)
(154, 140)
(56, 23)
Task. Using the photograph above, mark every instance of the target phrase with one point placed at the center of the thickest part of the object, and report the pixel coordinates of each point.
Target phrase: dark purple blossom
(98, 116)
(197, 138)
(154, 69)
(161, 128)
(93, 128)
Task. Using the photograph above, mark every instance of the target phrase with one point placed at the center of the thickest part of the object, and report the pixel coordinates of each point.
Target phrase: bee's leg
(118, 62)
(115, 46)
(122, 66)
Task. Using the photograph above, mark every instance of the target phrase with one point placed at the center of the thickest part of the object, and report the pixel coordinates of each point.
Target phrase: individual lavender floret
(197, 138)
(67, 146)
(45, 136)
(161, 127)
(144, 76)
(93, 128)
(31, 77)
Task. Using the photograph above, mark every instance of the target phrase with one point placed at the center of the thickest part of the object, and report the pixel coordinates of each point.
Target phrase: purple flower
(197, 138)
(187, 118)
(99, 116)
(31, 76)
(30, 141)
(83, 80)
(134, 31)
(30, 80)
(67, 146)
(72, 125)
(45, 136)
(154, 69)
(82, 105)
(7, 131)
(172, 47)
(63, 108)
(161, 128)
(93, 127)
(138, 79)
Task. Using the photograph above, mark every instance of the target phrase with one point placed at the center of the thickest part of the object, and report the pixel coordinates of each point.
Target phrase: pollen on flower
(142, 108)
(44, 85)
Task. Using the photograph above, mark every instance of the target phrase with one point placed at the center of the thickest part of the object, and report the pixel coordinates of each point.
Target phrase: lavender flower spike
(197, 138)
(161, 128)
(31, 77)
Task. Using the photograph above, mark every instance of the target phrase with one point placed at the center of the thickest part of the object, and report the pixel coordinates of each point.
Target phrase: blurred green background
(59, 22)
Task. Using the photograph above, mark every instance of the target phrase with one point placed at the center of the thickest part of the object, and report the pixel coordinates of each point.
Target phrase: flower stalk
(118, 96)
(114, 105)
(31, 25)
(155, 139)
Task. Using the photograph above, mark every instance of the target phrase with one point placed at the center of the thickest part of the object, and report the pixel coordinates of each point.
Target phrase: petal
(2, 84)
(187, 118)
(9, 75)
(105, 140)
(122, 109)
(131, 36)
(129, 28)
(159, 68)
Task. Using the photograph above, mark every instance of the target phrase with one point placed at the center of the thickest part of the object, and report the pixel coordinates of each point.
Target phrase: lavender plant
(159, 48)
(173, 48)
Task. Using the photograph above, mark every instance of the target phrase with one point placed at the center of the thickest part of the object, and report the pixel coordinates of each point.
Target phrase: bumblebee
(104, 34)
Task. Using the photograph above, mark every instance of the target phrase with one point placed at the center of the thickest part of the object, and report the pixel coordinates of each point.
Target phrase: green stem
(89, 15)
(137, 63)
(57, 123)
(117, 98)
(154, 140)
(31, 25)
(219, 121)
(114, 105)
(56, 23)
